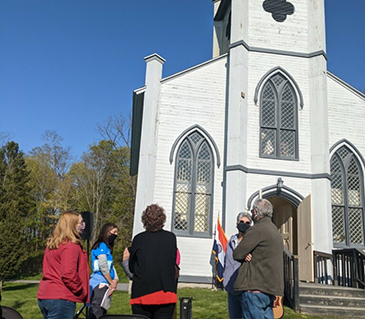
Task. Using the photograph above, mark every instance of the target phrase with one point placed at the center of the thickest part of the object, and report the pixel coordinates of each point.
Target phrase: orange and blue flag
(219, 250)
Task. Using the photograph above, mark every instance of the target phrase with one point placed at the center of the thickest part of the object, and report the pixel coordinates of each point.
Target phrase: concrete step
(333, 311)
(332, 301)
(325, 300)
(329, 290)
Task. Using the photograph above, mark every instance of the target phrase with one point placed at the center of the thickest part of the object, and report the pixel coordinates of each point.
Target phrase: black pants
(155, 311)
(96, 297)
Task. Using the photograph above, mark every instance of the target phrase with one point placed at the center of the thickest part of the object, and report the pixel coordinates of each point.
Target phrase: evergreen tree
(14, 207)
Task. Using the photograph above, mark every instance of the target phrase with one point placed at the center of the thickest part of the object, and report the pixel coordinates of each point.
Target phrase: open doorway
(295, 226)
(285, 219)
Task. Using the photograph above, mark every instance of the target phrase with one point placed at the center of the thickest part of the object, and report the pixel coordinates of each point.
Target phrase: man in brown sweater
(260, 279)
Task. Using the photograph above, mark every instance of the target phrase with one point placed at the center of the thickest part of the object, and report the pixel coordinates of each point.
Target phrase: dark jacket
(265, 271)
(152, 262)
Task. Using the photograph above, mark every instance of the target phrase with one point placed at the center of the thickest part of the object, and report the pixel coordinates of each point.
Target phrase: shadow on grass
(18, 305)
(15, 287)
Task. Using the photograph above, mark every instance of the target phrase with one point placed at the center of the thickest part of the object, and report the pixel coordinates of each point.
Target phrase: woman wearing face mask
(104, 275)
(231, 266)
(65, 269)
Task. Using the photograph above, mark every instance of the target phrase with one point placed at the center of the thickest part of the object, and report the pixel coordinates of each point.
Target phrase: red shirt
(155, 298)
(65, 274)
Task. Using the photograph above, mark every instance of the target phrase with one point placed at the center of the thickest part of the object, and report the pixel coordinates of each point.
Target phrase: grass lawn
(207, 303)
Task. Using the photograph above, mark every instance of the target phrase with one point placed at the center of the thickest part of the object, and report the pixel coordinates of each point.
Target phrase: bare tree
(118, 129)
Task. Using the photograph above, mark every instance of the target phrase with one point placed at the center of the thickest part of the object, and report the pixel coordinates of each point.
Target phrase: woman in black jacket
(152, 262)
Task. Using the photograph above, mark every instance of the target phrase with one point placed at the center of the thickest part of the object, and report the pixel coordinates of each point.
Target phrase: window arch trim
(288, 193)
(286, 74)
(205, 134)
(355, 156)
(279, 128)
(344, 142)
(193, 187)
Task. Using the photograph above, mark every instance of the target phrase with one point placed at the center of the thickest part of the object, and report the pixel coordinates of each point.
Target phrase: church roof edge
(346, 85)
(222, 10)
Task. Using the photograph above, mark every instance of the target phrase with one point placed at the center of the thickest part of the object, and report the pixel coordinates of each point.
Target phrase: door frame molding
(285, 192)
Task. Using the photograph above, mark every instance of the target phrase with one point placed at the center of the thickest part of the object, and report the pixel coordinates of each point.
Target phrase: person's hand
(126, 254)
(113, 284)
(248, 257)
(111, 289)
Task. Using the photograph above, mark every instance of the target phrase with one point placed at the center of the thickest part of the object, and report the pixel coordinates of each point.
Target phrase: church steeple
(267, 35)
(269, 25)
(222, 27)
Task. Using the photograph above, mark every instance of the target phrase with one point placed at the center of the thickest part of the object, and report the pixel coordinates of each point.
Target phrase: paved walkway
(121, 286)
(125, 286)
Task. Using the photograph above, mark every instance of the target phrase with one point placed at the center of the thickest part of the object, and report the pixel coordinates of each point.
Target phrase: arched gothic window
(192, 206)
(279, 119)
(347, 199)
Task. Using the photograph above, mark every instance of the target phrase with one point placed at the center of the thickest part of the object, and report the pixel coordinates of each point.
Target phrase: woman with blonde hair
(65, 269)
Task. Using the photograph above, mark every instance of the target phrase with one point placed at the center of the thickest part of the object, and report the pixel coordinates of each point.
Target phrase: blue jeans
(57, 308)
(234, 306)
(257, 305)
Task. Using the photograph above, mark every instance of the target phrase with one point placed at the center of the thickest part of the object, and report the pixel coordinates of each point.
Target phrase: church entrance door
(305, 242)
(295, 226)
(285, 219)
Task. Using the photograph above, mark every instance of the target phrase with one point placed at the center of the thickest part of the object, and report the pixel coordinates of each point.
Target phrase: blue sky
(67, 65)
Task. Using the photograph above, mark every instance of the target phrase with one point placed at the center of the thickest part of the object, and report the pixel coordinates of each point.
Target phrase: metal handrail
(291, 279)
(320, 266)
(349, 267)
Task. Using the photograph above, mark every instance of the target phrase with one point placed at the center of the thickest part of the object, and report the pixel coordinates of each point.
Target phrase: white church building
(263, 117)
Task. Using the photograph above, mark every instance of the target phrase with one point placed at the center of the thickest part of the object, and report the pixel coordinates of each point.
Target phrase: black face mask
(111, 239)
(242, 227)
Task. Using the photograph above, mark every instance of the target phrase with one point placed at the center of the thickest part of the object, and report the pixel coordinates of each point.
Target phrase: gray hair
(244, 214)
(263, 208)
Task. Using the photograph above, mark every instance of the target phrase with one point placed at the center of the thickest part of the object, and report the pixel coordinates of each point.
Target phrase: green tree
(48, 165)
(102, 183)
(118, 129)
(93, 181)
(15, 204)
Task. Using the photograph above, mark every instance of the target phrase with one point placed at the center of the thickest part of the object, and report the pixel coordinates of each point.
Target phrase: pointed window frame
(188, 228)
(279, 136)
(343, 199)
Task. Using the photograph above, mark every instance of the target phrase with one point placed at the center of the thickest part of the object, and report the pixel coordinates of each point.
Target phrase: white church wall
(256, 182)
(286, 36)
(196, 256)
(300, 69)
(346, 112)
(194, 97)
(260, 64)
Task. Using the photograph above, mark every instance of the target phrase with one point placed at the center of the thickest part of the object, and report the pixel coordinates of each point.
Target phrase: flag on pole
(219, 250)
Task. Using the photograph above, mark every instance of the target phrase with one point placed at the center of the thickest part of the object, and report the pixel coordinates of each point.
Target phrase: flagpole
(215, 265)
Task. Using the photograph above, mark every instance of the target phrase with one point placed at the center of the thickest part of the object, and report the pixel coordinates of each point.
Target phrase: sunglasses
(242, 222)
